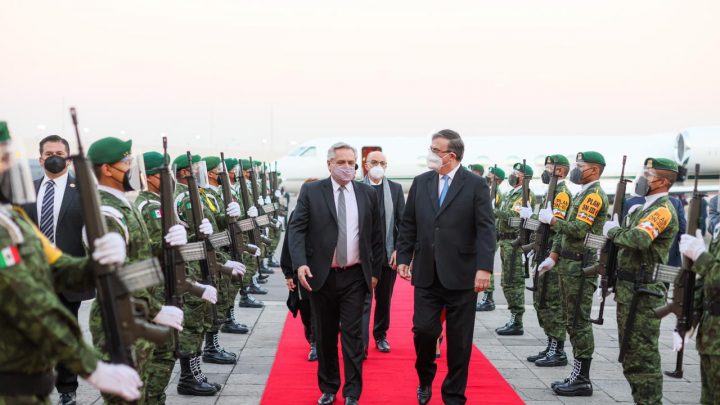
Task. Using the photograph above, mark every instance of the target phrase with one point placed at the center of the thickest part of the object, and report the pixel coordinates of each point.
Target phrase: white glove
(238, 268)
(546, 214)
(206, 227)
(233, 209)
(252, 212)
(116, 379)
(278, 194)
(678, 340)
(546, 265)
(210, 294)
(176, 236)
(170, 316)
(110, 249)
(268, 200)
(692, 246)
(599, 294)
(526, 212)
(260, 201)
(609, 225)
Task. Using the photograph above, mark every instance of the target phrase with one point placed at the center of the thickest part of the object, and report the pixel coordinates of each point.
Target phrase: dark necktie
(47, 221)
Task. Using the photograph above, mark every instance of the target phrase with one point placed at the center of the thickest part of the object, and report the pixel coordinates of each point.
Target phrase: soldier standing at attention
(587, 214)
(644, 240)
(497, 175)
(551, 314)
(513, 270)
(477, 168)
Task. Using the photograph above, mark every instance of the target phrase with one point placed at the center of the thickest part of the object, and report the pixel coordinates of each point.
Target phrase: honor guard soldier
(495, 177)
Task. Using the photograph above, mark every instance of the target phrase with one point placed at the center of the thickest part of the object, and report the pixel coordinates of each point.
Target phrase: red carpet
(387, 378)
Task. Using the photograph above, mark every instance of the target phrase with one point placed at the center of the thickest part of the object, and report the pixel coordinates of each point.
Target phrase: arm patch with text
(655, 222)
(561, 204)
(590, 208)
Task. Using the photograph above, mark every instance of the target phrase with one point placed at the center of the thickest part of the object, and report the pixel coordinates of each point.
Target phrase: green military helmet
(476, 167)
(559, 160)
(211, 162)
(498, 172)
(4, 132)
(661, 164)
(519, 167)
(245, 164)
(590, 157)
(109, 150)
(230, 163)
(153, 162)
(181, 162)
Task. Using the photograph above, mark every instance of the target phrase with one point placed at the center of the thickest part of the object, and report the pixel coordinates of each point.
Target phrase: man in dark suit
(448, 232)
(59, 216)
(391, 204)
(336, 246)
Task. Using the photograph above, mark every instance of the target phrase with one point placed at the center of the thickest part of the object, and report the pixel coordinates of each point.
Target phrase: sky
(259, 77)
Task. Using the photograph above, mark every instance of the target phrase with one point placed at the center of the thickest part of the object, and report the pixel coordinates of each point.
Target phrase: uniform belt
(635, 277)
(713, 308)
(40, 384)
(340, 269)
(566, 254)
(506, 235)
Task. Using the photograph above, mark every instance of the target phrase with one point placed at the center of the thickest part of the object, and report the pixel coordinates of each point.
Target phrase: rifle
(122, 319)
(208, 263)
(523, 234)
(233, 227)
(494, 186)
(268, 208)
(606, 266)
(262, 220)
(684, 286)
(542, 236)
(253, 232)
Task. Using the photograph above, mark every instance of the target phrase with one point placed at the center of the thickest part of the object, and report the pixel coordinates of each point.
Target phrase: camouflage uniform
(708, 335)
(122, 218)
(498, 201)
(211, 198)
(644, 240)
(251, 266)
(38, 332)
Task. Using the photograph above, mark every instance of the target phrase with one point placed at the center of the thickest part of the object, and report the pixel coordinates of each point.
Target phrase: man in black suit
(336, 246)
(391, 202)
(448, 232)
(59, 216)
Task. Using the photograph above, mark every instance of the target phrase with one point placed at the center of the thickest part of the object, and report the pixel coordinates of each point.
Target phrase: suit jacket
(453, 240)
(68, 233)
(313, 233)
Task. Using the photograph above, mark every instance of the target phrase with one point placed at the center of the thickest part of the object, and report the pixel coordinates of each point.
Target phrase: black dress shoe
(256, 289)
(312, 356)
(382, 345)
(326, 399)
(67, 398)
(248, 301)
(424, 393)
(351, 401)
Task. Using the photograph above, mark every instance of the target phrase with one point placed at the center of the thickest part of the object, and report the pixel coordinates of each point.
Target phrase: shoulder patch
(654, 223)
(561, 204)
(589, 208)
(9, 257)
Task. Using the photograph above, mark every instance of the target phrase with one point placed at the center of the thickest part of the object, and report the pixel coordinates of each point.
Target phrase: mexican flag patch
(9, 257)
(156, 214)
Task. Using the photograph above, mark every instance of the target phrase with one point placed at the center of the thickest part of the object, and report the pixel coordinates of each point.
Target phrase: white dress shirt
(650, 200)
(352, 223)
(441, 182)
(60, 184)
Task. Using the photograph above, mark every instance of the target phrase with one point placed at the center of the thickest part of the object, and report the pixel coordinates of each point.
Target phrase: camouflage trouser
(24, 400)
(198, 320)
(226, 297)
(513, 288)
(250, 265)
(159, 371)
(552, 315)
(710, 378)
(275, 238)
(571, 278)
(642, 358)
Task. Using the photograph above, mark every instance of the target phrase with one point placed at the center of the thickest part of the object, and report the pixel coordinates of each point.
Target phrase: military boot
(272, 262)
(264, 269)
(248, 301)
(555, 356)
(486, 302)
(514, 327)
(254, 288)
(578, 384)
(540, 354)
(230, 325)
(213, 353)
(191, 379)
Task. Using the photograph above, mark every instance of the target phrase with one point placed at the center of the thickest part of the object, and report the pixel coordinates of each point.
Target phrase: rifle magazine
(532, 224)
(142, 274)
(593, 241)
(666, 274)
(220, 239)
(514, 222)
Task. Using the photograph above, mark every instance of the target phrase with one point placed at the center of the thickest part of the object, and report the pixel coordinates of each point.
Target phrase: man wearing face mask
(513, 269)
(336, 246)
(587, 214)
(644, 240)
(448, 232)
(58, 214)
(496, 175)
(117, 173)
(551, 314)
(392, 202)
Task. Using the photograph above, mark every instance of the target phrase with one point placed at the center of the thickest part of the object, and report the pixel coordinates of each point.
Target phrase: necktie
(443, 193)
(341, 249)
(47, 222)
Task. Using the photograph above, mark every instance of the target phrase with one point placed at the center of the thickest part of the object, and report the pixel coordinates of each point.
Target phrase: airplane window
(309, 152)
(297, 152)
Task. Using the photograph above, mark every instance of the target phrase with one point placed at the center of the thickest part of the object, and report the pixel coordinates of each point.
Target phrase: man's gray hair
(339, 145)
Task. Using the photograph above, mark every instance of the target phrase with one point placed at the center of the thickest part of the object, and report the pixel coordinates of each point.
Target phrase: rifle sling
(635, 277)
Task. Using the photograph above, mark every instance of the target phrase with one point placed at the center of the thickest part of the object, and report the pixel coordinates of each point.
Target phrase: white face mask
(434, 161)
(376, 172)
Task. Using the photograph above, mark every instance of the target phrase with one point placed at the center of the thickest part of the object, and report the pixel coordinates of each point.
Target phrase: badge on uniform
(156, 214)
(9, 257)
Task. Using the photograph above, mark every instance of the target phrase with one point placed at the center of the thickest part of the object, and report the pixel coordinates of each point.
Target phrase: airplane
(407, 156)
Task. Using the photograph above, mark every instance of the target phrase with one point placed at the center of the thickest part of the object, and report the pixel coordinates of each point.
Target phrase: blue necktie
(47, 223)
(443, 193)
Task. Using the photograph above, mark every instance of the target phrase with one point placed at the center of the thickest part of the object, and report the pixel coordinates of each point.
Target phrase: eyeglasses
(374, 163)
(438, 151)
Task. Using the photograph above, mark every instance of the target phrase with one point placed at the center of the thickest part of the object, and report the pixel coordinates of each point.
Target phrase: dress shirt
(60, 184)
(352, 222)
(451, 176)
(649, 200)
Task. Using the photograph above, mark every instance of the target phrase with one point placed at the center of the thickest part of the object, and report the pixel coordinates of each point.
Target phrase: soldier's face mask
(16, 186)
(643, 185)
(515, 179)
(577, 174)
(134, 178)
